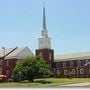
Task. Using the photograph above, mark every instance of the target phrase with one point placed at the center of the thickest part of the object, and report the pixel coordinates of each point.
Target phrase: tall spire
(44, 17)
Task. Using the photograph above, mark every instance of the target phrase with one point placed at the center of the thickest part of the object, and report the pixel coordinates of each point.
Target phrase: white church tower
(44, 41)
(44, 44)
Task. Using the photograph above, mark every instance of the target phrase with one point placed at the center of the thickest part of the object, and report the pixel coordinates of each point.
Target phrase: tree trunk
(32, 80)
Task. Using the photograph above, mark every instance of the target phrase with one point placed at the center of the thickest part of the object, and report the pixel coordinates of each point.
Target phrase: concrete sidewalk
(78, 84)
(86, 84)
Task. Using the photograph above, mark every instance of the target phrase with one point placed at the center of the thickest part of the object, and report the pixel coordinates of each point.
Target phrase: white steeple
(44, 41)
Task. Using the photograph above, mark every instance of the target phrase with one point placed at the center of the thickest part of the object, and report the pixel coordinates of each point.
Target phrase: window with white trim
(86, 61)
(40, 54)
(73, 71)
(65, 72)
(57, 65)
(64, 64)
(58, 72)
(71, 63)
(82, 62)
(79, 63)
(82, 71)
(50, 56)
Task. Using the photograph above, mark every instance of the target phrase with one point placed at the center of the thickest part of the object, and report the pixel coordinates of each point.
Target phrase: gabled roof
(87, 64)
(72, 56)
(7, 50)
(18, 53)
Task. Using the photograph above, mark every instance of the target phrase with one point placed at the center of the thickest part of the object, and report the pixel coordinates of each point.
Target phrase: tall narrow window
(40, 54)
(65, 72)
(64, 64)
(79, 63)
(71, 63)
(73, 71)
(50, 56)
(82, 62)
(57, 65)
(58, 72)
(82, 71)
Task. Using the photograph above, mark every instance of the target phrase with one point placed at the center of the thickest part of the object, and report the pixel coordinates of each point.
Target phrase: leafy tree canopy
(30, 68)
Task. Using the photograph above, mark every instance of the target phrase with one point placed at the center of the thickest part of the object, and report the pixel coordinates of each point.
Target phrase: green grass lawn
(45, 81)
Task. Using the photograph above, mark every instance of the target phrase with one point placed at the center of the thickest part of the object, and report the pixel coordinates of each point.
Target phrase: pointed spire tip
(44, 18)
(43, 4)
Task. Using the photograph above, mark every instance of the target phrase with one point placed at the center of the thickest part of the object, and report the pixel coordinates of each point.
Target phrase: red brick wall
(45, 54)
(87, 70)
(78, 74)
(10, 67)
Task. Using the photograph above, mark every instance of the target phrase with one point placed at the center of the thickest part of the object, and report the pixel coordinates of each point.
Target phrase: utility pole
(3, 60)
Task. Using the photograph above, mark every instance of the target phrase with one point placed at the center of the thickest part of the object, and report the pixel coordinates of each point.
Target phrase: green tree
(30, 68)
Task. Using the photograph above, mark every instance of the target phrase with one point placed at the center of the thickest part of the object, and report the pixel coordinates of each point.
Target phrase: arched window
(57, 65)
(82, 62)
(50, 56)
(79, 63)
(40, 54)
(58, 72)
(73, 71)
(65, 72)
(64, 64)
(71, 63)
(82, 71)
(86, 61)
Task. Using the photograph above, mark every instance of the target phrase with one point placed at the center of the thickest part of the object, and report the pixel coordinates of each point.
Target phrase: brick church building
(9, 57)
(77, 64)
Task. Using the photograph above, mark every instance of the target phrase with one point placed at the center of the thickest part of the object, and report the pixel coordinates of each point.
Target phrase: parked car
(3, 77)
